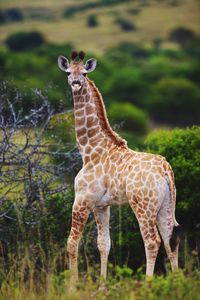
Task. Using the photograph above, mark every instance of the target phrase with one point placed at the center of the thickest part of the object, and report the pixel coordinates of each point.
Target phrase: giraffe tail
(176, 236)
(177, 231)
(169, 175)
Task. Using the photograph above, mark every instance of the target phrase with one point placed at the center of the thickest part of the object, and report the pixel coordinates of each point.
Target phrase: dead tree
(28, 172)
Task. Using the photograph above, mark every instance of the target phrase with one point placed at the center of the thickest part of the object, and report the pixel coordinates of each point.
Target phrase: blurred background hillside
(148, 72)
(101, 24)
(147, 51)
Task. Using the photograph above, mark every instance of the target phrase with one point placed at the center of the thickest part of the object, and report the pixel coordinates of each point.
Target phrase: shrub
(51, 51)
(160, 66)
(176, 101)
(23, 41)
(3, 60)
(127, 85)
(182, 36)
(129, 117)
(193, 49)
(72, 10)
(181, 148)
(44, 227)
(69, 12)
(157, 67)
(61, 131)
(92, 21)
(134, 50)
(11, 15)
(134, 140)
(134, 11)
(125, 25)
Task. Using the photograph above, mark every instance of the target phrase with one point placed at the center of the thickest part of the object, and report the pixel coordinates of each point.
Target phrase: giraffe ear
(90, 65)
(63, 63)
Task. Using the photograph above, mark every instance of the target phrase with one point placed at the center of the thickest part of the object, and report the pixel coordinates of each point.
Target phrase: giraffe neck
(91, 123)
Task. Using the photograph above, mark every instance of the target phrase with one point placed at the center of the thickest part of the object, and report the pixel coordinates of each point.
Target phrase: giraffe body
(113, 174)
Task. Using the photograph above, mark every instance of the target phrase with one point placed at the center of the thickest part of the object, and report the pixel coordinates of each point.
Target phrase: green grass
(56, 287)
(154, 21)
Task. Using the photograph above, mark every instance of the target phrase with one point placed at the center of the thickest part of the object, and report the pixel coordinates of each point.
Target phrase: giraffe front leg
(102, 217)
(80, 213)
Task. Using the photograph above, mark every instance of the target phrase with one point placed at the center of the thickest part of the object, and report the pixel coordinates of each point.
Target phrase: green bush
(181, 148)
(129, 117)
(23, 41)
(182, 36)
(44, 227)
(125, 25)
(11, 15)
(51, 51)
(127, 85)
(134, 11)
(134, 140)
(157, 67)
(92, 21)
(128, 54)
(69, 12)
(61, 131)
(175, 101)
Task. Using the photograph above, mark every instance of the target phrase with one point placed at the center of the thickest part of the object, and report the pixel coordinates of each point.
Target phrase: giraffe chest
(106, 188)
(113, 197)
(114, 192)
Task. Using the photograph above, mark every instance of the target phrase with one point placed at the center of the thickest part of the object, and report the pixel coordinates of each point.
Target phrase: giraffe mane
(101, 112)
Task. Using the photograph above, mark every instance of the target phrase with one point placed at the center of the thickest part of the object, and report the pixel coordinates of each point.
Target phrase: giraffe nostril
(76, 82)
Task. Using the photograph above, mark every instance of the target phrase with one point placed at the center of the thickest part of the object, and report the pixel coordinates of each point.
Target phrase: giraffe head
(76, 70)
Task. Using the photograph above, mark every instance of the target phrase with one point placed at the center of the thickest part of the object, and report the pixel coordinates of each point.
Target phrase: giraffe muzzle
(76, 85)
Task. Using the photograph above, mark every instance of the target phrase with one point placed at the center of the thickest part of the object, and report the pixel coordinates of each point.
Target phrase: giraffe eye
(84, 74)
(68, 73)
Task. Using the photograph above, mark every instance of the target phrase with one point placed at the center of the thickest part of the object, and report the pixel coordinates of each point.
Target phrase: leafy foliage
(182, 35)
(157, 81)
(92, 21)
(126, 86)
(181, 148)
(125, 25)
(129, 117)
(173, 287)
(11, 15)
(176, 101)
(22, 41)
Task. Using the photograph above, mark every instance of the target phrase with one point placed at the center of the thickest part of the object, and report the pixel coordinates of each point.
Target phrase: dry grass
(57, 287)
(37, 3)
(154, 21)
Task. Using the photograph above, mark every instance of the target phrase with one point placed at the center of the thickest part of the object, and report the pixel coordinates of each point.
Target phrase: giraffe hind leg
(170, 232)
(150, 235)
(152, 245)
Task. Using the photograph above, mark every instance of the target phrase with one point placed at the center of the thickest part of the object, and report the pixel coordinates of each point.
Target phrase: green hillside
(150, 20)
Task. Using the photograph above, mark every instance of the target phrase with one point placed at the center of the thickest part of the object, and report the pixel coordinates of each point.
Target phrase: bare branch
(27, 162)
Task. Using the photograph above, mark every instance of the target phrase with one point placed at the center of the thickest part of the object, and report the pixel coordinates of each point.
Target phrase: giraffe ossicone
(113, 174)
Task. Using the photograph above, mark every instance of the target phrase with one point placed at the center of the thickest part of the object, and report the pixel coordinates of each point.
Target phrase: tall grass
(26, 281)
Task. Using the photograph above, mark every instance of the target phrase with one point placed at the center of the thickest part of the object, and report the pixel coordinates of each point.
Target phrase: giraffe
(113, 174)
